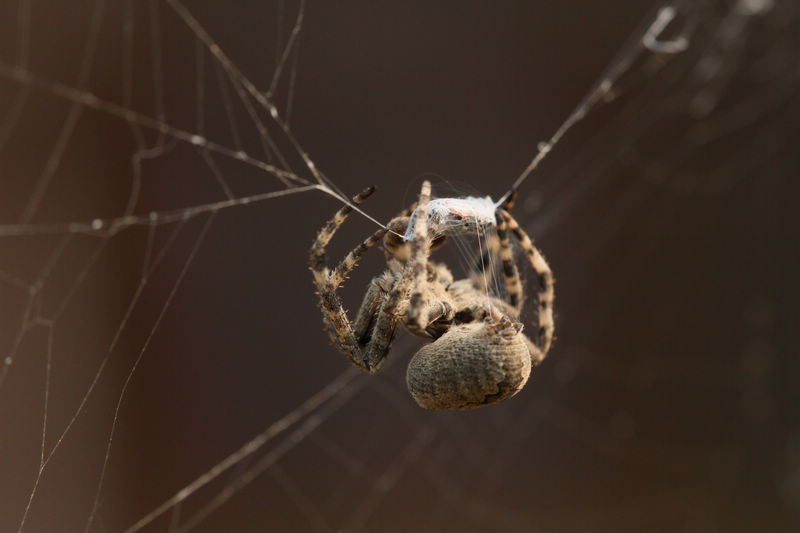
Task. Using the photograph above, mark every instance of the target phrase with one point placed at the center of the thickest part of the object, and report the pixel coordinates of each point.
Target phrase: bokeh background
(668, 403)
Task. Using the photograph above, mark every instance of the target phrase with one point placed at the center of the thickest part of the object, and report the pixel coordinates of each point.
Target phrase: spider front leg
(334, 316)
(417, 266)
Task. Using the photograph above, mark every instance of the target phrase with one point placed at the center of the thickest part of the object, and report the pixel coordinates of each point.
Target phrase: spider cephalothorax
(479, 354)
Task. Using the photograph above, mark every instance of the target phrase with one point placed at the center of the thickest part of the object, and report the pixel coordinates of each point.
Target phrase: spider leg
(349, 262)
(513, 283)
(385, 327)
(417, 266)
(334, 315)
(376, 321)
(414, 274)
(545, 290)
(510, 270)
(381, 286)
(317, 257)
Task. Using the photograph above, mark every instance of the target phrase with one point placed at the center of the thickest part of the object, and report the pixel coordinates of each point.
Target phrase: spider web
(164, 367)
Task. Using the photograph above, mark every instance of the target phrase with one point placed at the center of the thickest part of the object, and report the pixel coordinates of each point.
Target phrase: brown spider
(479, 355)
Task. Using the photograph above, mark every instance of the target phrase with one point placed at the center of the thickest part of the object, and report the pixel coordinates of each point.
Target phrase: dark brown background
(669, 401)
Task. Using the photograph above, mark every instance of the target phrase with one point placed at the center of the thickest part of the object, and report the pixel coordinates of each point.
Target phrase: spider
(479, 355)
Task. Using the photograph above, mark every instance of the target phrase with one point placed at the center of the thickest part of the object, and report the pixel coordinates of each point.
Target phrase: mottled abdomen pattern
(470, 366)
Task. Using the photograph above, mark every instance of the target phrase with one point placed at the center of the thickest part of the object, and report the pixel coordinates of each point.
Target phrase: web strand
(626, 58)
(335, 389)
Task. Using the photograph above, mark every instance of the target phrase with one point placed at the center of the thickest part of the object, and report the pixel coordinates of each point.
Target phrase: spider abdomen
(470, 366)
